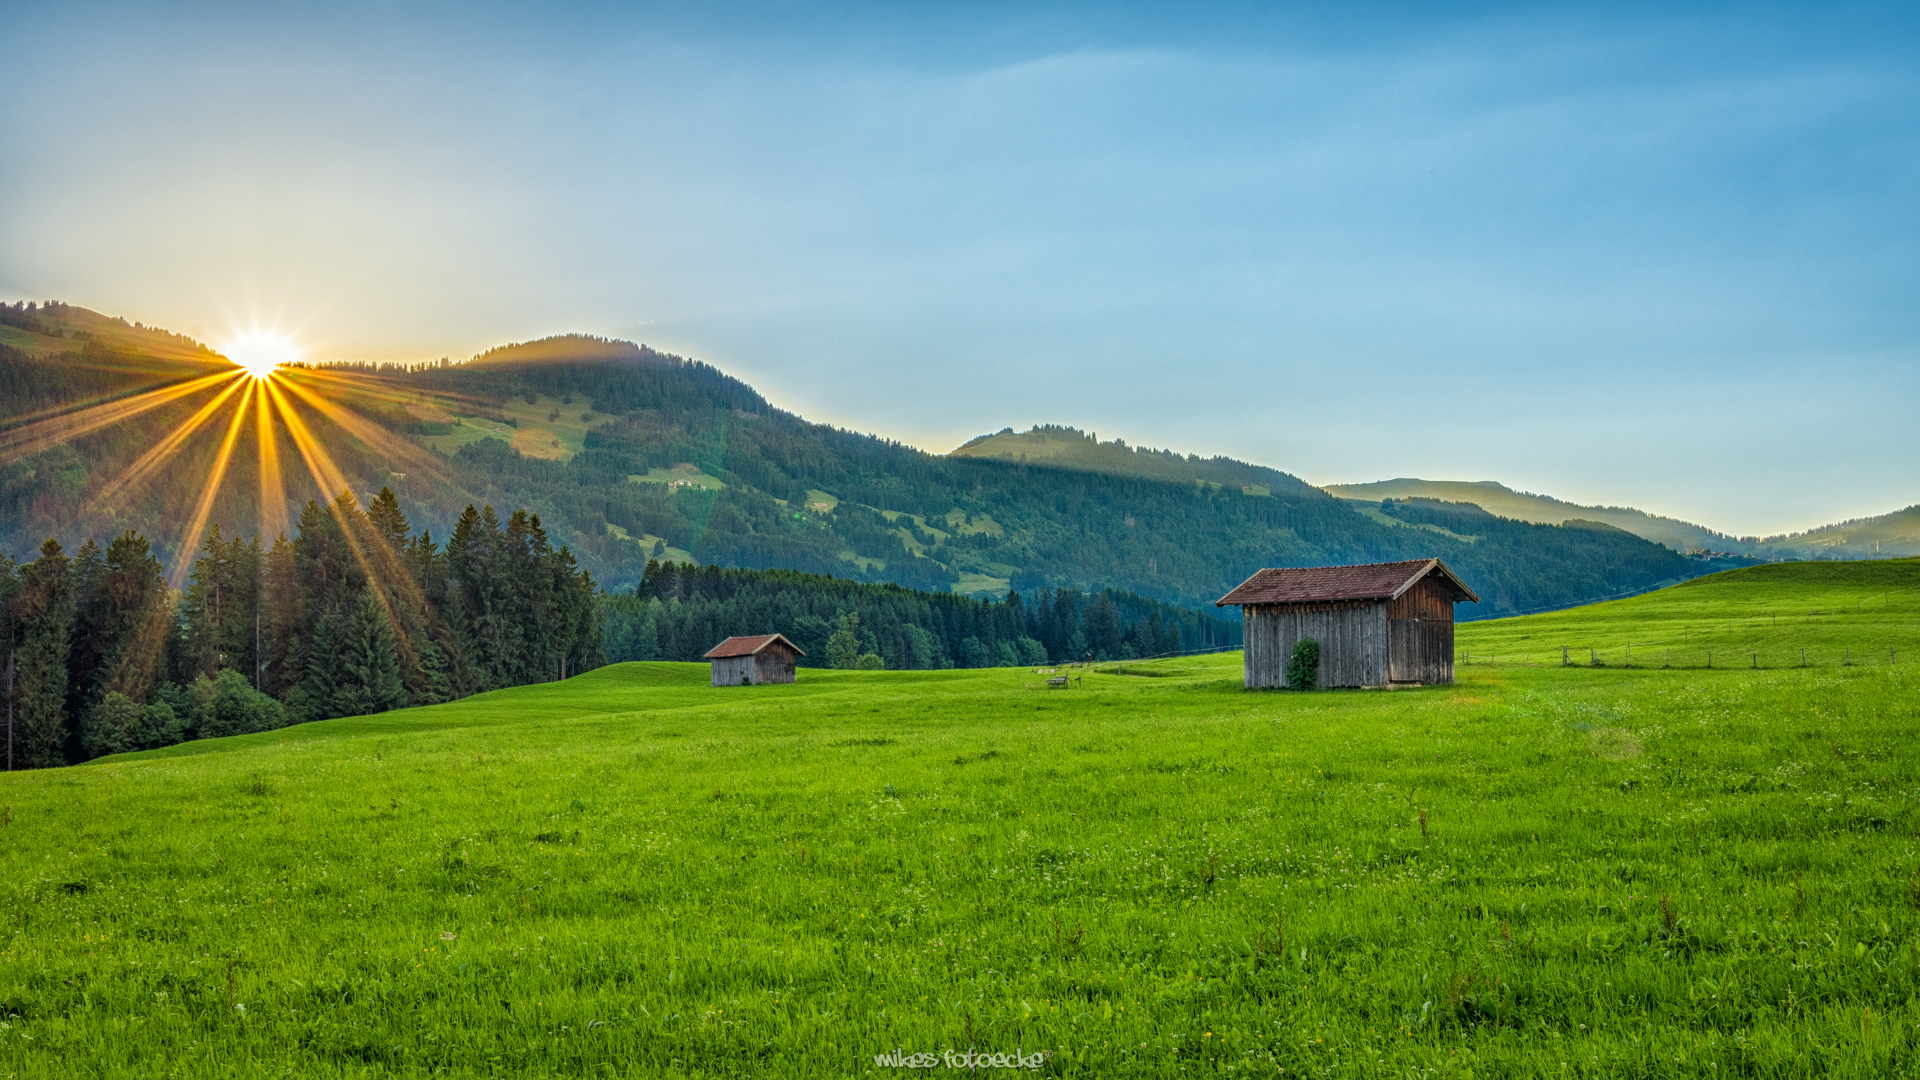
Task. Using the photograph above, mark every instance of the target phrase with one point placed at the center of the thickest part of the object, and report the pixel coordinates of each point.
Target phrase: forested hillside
(631, 455)
(1544, 509)
(678, 612)
(354, 615)
(1071, 448)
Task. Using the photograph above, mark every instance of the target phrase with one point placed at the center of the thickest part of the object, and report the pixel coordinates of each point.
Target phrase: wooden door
(1404, 640)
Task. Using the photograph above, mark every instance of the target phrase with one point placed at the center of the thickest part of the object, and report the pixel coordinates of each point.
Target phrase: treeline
(354, 615)
(678, 612)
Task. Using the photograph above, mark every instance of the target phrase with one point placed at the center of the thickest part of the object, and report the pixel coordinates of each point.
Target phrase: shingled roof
(1321, 584)
(747, 646)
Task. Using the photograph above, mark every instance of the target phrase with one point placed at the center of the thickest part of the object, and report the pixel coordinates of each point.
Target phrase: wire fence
(1764, 658)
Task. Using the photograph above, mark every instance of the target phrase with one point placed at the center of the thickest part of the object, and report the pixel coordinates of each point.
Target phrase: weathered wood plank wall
(775, 665)
(1420, 634)
(732, 670)
(1352, 637)
(1428, 599)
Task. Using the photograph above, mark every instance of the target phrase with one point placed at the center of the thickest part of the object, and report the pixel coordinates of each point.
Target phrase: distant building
(1378, 624)
(749, 661)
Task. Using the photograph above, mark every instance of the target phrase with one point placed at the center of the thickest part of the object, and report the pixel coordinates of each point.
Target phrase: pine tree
(646, 642)
(843, 648)
(283, 621)
(368, 678)
(482, 615)
(218, 630)
(10, 643)
(132, 617)
(44, 605)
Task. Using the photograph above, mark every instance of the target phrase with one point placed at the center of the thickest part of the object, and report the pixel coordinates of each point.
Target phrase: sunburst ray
(167, 445)
(189, 540)
(34, 437)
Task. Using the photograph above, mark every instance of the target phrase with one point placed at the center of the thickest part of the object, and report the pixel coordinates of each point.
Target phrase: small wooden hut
(749, 661)
(1378, 624)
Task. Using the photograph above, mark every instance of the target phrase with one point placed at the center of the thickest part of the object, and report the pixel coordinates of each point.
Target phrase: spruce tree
(44, 606)
(128, 616)
(283, 622)
(368, 679)
(9, 645)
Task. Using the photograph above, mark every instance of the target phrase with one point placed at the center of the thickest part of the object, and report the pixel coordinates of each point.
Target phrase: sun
(261, 354)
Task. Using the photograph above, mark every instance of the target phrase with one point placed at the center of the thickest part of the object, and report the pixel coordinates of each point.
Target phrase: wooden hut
(1378, 624)
(749, 661)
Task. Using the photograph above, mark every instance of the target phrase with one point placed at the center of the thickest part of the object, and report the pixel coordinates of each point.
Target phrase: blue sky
(1659, 256)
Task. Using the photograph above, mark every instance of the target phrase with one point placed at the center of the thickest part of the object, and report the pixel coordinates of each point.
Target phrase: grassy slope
(119, 333)
(535, 432)
(1499, 499)
(1769, 615)
(1897, 533)
(1538, 871)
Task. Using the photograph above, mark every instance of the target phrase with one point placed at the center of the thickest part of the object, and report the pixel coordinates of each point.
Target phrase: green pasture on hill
(1538, 871)
(1774, 616)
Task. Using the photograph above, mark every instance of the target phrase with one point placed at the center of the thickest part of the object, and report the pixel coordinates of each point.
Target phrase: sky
(1653, 255)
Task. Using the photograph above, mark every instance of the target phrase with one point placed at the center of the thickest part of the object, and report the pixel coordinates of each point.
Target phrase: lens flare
(260, 355)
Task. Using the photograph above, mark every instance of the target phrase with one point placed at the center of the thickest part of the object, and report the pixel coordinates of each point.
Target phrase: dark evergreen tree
(44, 609)
(368, 675)
(284, 622)
(10, 642)
(220, 615)
(351, 616)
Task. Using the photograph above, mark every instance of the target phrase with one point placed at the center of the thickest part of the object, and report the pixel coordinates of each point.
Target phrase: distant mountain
(1897, 533)
(1071, 448)
(629, 454)
(1526, 506)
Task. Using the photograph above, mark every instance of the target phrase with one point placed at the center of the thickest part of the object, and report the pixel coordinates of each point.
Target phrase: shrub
(973, 652)
(1032, 653)
(161, 725)
(1303, 670)
(229, 705)
(114, 727)
(871, 662)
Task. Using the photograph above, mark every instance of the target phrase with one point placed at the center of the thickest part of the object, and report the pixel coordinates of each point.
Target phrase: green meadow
(1538, 871)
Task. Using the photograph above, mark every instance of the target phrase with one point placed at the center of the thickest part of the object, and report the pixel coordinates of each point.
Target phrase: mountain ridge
(627, 453)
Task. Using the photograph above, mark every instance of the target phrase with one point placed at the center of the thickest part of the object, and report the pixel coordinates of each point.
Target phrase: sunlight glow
(268, 393)
(261, 354)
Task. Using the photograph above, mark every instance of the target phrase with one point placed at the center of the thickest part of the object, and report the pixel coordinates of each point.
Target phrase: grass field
(1538, 871)
(686, 475)
(1774, 616)
(544, 428)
